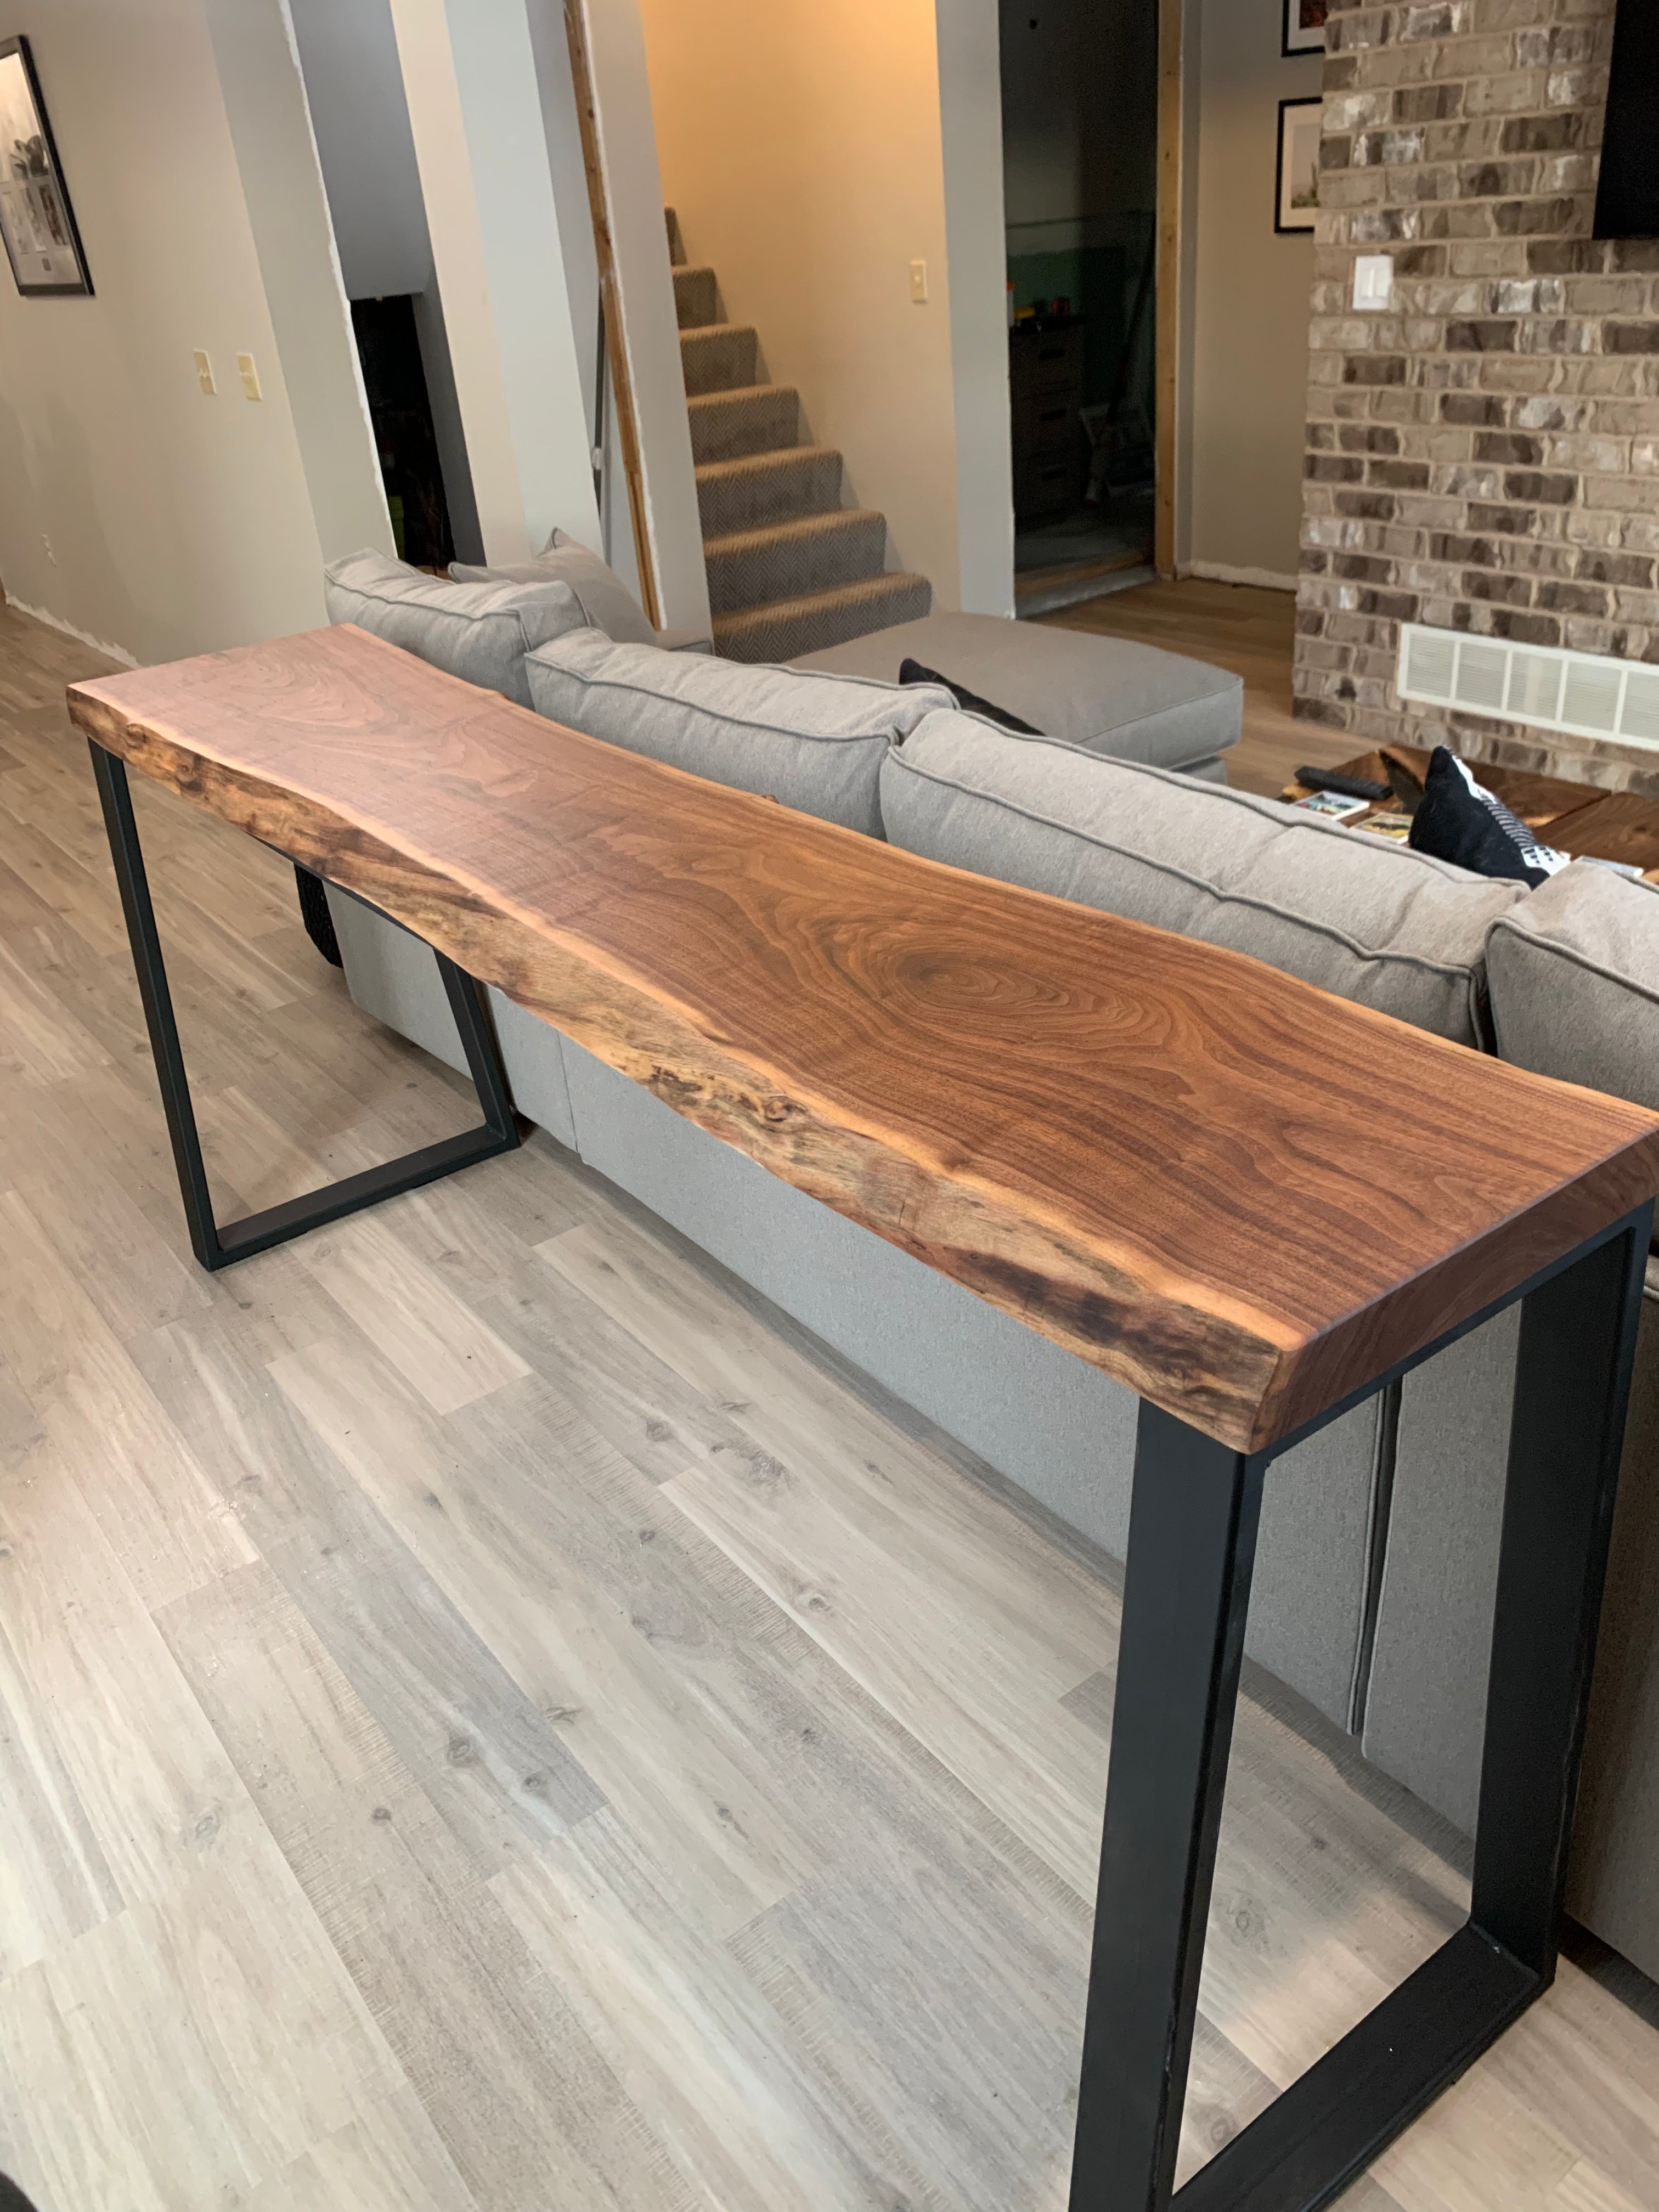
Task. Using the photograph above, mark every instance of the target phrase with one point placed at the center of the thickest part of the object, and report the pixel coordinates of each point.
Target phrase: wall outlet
(250, 376)
(204, 373)
(919, 283)
(45, 544)
(1373, 283)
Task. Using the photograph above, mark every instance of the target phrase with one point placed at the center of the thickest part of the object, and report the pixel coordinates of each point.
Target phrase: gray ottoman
(1129, 701)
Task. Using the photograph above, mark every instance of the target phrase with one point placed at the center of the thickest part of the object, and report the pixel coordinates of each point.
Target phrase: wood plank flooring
(1238, 627)
(493, 1719)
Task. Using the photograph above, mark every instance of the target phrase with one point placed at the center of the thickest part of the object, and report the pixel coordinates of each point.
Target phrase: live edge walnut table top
(1241, 1197)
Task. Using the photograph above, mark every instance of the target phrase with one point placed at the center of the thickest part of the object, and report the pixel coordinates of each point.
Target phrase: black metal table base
(217, 1244)
(1192, 1542)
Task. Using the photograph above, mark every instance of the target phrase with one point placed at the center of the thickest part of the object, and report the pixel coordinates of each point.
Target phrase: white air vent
(1583, 693)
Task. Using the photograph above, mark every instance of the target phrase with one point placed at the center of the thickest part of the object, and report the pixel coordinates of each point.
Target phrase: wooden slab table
(1251, 1203)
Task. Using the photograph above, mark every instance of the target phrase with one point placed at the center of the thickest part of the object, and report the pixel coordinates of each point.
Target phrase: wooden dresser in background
(1045, 377)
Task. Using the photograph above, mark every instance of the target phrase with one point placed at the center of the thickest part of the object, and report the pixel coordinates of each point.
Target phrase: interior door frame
(1168, 321)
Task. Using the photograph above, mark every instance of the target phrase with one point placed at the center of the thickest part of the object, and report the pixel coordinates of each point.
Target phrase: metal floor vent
(1586, 693)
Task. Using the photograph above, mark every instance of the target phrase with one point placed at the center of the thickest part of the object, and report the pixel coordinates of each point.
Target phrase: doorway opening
(405, 434)
(1080, 167)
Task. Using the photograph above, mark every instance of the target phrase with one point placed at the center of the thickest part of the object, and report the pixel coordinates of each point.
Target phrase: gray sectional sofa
(1374, 1592)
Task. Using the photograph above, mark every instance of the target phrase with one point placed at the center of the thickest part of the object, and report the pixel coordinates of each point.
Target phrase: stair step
(696, 297)
(755, 418)
(721, 358)
(793, 560)
(757, 488)
(676, 243)
(791, 628)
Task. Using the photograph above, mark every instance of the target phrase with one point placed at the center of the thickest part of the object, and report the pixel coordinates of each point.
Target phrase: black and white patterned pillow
(1459, 820)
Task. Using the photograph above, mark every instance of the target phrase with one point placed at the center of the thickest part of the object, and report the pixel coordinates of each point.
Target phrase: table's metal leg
(1572, 1384)
(1192, 1546)
(1191, 1531)
(216, 1245)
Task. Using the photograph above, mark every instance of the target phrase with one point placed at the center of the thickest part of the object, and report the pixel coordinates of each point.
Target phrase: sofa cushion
(1103, 693)
(814, 742)
(478, 631)
(1358, 916)
(605, 599)
(1575, 983)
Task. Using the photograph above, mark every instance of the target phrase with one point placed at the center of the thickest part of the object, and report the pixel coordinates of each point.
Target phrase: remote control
(1349, 786)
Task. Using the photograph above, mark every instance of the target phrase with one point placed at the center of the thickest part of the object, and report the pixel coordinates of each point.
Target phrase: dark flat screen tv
(1627, 198)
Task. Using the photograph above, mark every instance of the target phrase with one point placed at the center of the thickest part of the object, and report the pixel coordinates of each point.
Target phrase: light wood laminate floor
(493, 1719)
(1239, 627)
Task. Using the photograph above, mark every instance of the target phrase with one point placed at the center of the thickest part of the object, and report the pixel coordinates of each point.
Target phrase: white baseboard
(1221, 572)
(73, 629)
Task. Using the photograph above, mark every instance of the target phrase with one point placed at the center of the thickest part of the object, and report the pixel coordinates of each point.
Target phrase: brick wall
(1485, 456)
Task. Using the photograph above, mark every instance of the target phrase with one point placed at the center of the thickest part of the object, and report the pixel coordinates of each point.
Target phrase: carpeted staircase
(791, 571)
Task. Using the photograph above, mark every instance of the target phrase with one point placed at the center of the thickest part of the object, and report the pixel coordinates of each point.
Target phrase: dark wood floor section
(493, 1719)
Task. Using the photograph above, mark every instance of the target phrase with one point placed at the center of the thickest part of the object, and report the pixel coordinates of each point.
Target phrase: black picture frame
(1289, 220)
(37, 220)
(1300, 34)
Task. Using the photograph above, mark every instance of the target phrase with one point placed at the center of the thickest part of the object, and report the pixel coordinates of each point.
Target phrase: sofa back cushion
(1575, 983)
(478, 631)
(605, 601)
(1360, 917)
(816, 743)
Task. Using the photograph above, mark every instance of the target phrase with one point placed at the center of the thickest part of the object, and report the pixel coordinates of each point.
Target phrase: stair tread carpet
(753, 418)
(792, 560)
(696, 297)
(784, 629)
(757, 488)
(720, 357)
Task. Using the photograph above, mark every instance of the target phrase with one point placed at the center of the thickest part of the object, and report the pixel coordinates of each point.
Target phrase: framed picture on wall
(1305, 26)
(1298, 164)
(36, 220)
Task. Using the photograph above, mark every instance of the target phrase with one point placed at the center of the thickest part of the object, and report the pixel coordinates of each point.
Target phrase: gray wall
(1253, 291)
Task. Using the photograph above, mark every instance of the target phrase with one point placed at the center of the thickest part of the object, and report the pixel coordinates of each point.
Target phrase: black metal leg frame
(217, 1244)
(1192, 1543)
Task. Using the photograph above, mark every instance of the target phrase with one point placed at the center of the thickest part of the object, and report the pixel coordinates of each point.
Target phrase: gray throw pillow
(816, 743)
(1359, 917)
(605, 599)
(480, 632)
(1575, 983)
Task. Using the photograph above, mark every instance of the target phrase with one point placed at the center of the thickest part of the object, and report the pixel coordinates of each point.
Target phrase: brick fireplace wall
(1484, 456)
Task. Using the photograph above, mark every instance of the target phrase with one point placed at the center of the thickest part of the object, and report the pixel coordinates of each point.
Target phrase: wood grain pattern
(1235, 1195)
(901, 2029)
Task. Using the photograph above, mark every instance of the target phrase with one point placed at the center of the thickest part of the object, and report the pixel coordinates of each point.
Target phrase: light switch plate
(919, 283)
(250, 376)
(1373, 283)
(204, 373)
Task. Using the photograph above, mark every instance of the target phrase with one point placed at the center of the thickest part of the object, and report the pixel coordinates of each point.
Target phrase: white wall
(180, 523)
(971, 112)
(1251, 297)
(800, 141)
